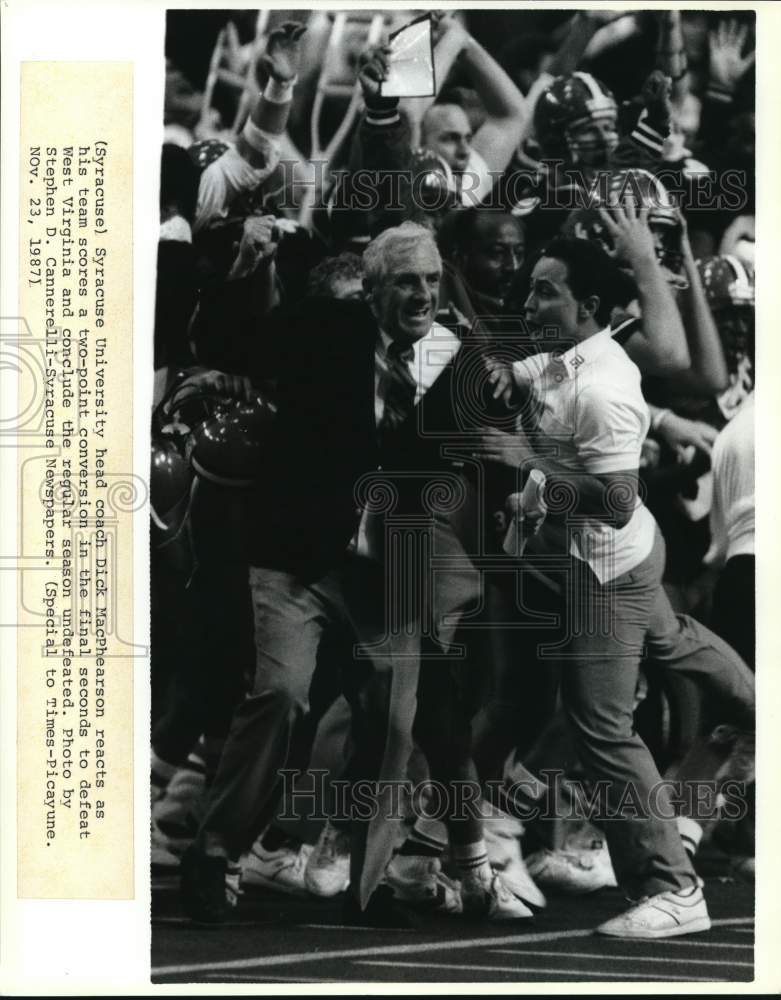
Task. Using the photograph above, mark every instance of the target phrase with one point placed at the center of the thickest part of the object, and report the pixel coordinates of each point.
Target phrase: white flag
(411, 62)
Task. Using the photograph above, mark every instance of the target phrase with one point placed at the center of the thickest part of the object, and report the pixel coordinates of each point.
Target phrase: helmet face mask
(591, 141)
(576, 118)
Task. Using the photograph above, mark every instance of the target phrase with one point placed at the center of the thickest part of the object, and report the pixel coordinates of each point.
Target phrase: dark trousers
(388, 612)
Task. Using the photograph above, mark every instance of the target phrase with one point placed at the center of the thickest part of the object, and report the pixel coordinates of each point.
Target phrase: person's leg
(289, 620)
(599, 678)
(682, 644)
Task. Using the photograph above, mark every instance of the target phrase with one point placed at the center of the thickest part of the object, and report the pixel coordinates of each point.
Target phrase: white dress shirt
(431, 354)
(592, 418)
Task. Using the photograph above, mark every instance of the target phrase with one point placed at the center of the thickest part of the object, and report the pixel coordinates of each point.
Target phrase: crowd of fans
(453, 463)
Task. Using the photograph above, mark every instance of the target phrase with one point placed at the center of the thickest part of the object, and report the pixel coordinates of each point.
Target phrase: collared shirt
(592, 418)
(431, 354)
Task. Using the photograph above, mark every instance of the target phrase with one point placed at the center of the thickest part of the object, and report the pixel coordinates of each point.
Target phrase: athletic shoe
(485, 895)
(176, 815)
(667, 914)
(205, 894)
(281, 870)
(421, 882)
(572, 872)
(504, 856)
(327, 871)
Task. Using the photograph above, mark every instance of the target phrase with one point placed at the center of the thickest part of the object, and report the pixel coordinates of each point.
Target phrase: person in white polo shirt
(584, 401)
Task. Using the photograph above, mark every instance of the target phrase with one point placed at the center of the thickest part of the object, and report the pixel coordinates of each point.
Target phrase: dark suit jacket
(322, 356)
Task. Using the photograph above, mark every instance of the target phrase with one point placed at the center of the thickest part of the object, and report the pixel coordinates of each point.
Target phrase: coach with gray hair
(367, 393)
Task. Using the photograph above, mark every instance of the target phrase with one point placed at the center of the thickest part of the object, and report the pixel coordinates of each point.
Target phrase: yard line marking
(540, 972)
(255, 977)
(614, 958)
(350, 927)
(702, 944)
(410, 949)
(186, 921)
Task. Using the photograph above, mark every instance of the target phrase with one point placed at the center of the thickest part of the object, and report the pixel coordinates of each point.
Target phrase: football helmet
(727, 282)
(645, 191)
(228, 448)
(569, 106)
(729, 290)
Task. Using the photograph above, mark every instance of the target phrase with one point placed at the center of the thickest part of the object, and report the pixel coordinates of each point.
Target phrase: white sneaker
(486, 895)
(666, 914)
(328, 869)
(504, 856)
(282, 869)
(573, 872)
(421, 882)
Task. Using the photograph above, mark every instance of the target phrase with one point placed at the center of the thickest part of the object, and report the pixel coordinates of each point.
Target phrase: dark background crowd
(541, 118)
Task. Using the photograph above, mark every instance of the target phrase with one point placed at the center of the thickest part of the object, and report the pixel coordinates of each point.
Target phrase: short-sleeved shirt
(592, 418)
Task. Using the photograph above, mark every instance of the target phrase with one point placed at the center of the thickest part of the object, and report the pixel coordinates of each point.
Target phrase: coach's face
(404, 299)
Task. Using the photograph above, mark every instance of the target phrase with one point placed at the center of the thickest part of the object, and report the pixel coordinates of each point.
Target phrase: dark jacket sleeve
(373, 194)
(641, 147)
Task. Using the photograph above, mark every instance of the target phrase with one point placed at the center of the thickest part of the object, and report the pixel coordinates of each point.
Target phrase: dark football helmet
(645, 191)
(228, 449)
(575, 119)
(727, 282)
(729, 289)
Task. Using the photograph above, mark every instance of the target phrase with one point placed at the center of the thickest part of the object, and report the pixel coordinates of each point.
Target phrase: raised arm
(708, 373)
(505, 107)
(671, 54)
(659, 346)
(259, 139)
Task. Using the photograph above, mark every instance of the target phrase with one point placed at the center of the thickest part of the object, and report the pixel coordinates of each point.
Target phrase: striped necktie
(400, 387)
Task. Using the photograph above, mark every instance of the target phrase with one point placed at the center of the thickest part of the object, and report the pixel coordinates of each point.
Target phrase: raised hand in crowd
(259, 242)
(661, 347)
(727, 63)
(282, 57)
(375, 65)
(671, 52)
(630, 232)
(444, 22)
(656, 95)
